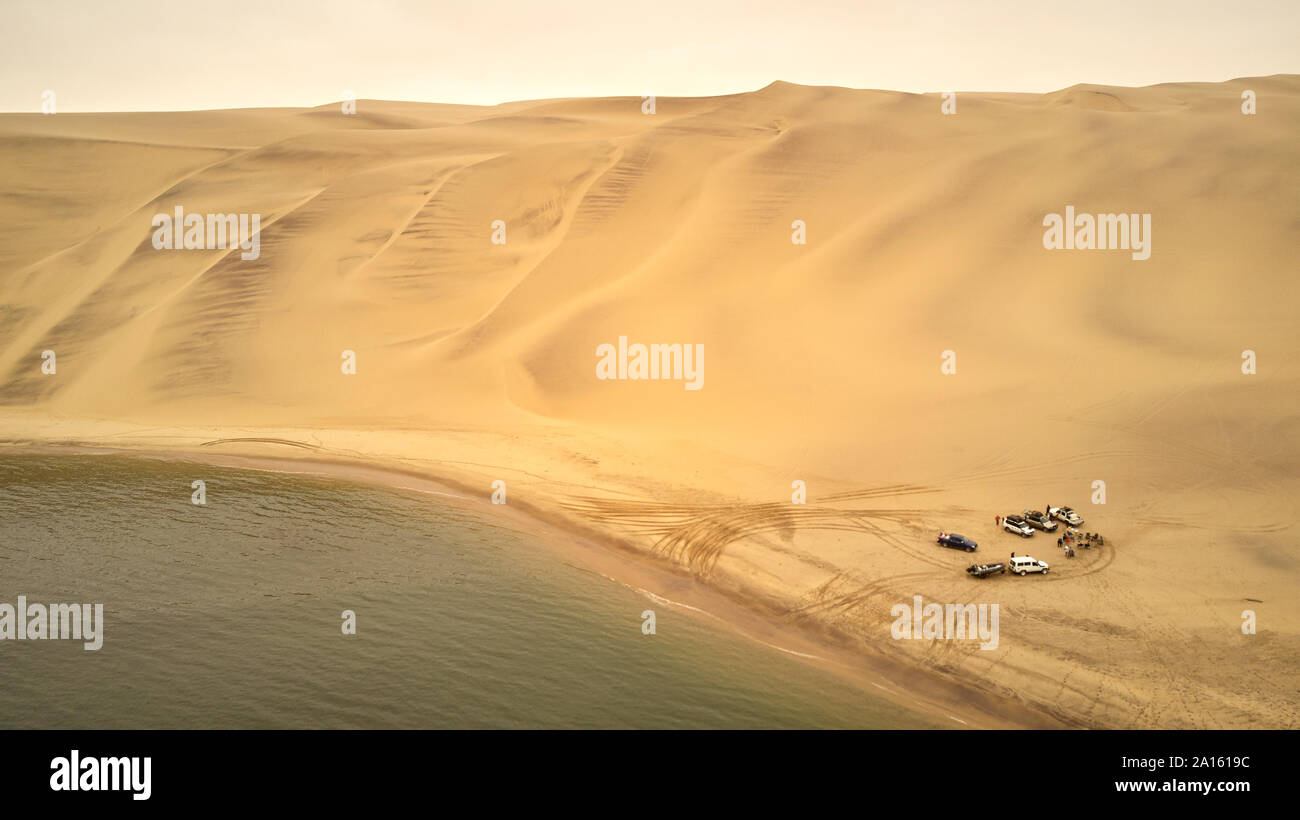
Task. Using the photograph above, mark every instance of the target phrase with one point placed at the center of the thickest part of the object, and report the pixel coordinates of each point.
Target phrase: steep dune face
(923, 235)
(821, 360)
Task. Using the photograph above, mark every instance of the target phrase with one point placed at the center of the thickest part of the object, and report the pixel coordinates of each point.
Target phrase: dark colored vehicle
(957, 542)
(980, 570)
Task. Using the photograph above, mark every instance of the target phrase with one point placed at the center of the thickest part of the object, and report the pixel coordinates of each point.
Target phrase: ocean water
(228, 615)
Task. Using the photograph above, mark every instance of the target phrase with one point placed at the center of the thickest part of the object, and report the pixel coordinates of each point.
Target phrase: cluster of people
(1072, 537)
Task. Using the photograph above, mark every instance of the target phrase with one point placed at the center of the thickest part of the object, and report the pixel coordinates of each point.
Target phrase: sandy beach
(823, 362)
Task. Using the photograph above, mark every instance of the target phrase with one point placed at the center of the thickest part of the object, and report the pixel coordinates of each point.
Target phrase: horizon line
(563, 98)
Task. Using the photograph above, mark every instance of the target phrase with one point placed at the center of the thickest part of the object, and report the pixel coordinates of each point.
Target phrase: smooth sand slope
(822, 361)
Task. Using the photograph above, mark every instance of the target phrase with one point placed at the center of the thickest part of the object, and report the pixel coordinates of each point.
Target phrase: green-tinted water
(227, 615)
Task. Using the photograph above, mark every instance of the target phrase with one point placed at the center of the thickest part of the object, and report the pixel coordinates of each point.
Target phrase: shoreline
(611, 557)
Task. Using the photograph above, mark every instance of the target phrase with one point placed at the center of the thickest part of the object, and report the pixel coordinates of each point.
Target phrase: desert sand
(476, 362)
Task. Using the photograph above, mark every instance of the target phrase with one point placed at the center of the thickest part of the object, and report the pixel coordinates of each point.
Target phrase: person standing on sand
(997, 520)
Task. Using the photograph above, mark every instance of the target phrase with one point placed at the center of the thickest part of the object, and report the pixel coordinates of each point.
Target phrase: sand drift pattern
(695, 536)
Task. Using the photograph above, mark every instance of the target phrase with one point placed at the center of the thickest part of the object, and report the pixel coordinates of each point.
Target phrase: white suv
(1024, 563)
(1018, 525)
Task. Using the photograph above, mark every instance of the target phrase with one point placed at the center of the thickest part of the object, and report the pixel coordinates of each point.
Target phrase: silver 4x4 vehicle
(1018, 525)
(1065, 514)
(1039, 521)
(1022, 564)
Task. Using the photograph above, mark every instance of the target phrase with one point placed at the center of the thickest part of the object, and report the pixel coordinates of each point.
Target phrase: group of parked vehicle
(1024, 525)
(1030, 520)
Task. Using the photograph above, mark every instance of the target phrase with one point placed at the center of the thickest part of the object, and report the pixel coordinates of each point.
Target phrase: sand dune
(476, 361)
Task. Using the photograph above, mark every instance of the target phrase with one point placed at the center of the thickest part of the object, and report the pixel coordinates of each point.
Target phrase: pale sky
(138, 56)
